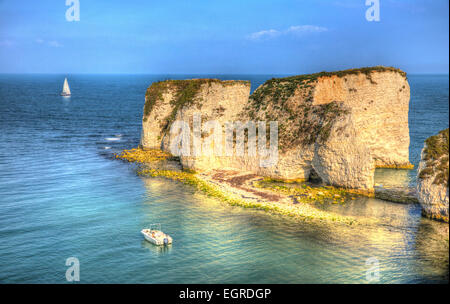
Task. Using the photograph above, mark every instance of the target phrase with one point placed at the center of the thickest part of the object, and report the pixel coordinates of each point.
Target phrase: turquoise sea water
(61, 196)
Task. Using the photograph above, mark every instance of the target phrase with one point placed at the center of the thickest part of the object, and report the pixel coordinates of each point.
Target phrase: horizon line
(166, 73)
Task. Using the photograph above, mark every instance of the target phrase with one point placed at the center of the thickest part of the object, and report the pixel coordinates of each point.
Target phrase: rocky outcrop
(432, 179)
(337, 126)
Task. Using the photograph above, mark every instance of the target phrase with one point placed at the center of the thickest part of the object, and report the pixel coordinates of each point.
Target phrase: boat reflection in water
(158, 250)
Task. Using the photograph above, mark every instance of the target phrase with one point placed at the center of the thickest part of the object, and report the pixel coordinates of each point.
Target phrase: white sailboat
(66, 89)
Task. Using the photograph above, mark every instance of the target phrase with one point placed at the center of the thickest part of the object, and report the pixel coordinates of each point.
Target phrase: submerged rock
(432, 178)
(333, 126)
(403, 195)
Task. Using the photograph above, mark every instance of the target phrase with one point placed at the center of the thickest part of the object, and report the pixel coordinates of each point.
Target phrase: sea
(63, 198)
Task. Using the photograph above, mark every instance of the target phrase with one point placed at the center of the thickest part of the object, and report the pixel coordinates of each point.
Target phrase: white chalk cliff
(337, 125)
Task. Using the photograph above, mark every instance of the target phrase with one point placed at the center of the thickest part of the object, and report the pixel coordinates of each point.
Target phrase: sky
(222, 37)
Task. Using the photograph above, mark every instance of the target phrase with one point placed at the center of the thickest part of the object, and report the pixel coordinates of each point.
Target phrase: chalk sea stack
(335, 126)
(432, 178)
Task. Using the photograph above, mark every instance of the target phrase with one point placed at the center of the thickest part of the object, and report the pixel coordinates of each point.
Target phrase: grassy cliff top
(185, 91)
(436, 157)
(365, 70)
(280, 89)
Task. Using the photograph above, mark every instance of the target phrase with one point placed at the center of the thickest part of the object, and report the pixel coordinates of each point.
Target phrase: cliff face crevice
(432, 178)
(338, 125)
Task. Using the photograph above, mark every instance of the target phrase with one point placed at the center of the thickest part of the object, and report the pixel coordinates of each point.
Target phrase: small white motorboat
(156, 236)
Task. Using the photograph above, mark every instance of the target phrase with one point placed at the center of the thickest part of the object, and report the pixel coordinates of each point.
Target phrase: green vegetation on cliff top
(366, 70)
(187, 89)
(436, 157)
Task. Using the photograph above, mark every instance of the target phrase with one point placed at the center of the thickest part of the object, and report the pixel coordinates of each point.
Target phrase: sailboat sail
(66, 89)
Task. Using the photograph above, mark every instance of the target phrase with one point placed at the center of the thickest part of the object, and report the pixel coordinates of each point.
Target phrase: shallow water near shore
(63, 196)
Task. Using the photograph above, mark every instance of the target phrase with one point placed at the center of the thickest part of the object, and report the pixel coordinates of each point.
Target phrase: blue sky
(222, 37)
